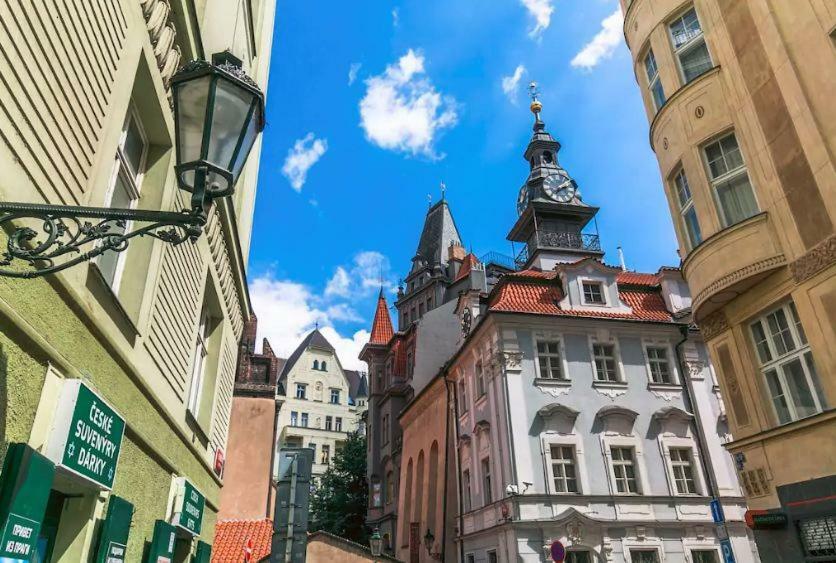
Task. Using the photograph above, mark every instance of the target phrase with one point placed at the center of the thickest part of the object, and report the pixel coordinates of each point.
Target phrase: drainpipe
(458, 465)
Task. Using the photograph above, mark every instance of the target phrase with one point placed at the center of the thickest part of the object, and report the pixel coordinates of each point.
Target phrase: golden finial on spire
(534, 92)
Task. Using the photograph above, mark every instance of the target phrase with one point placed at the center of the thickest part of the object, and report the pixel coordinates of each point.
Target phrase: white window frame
(573, 441)
(727, 176)
(294, 420)
(629, 547)
(564, 366)
(487, 488)
(467, 490)
(620, 441)
(479, 378)
(331, 396)
(201, 353)
(304, 420)
(602, 287)
(464, 407)
(619, 367)
(304, 387)
(653, 81)
(338, 424)
(666, 444)
(691, 44)
(802, 348)
(689, 545)
(674, 371)
(685, 207)
(122, 169)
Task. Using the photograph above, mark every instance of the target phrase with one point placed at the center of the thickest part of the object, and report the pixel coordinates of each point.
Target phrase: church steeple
(552, 214)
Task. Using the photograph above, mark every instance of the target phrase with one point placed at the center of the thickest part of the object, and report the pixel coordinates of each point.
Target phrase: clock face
(522, 200)
(560, 187)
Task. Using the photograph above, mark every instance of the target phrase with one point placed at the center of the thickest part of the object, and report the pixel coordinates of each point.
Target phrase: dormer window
(593, 293)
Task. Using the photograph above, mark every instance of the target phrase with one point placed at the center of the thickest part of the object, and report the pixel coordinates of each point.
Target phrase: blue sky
(372, 104)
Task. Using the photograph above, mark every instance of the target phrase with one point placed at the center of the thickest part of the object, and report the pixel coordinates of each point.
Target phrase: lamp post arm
(58, 231)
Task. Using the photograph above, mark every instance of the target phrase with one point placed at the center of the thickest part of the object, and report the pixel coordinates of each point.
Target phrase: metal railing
(552, 239)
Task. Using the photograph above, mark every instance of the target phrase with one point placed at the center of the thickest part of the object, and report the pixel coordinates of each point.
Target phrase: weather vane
(430, 199)
(533, 91)
(443, 190)
(535, 106)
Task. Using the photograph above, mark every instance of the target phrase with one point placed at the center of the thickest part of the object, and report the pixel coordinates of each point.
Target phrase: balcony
(586, 242)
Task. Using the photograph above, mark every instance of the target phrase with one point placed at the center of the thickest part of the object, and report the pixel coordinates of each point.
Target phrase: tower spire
(536, 107)
(382, 330)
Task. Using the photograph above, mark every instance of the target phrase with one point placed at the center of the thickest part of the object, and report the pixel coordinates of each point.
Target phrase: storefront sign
(18, 538)
(763, 520)
(116, 527)
(86, 435)
(162, 543)
(188, 511)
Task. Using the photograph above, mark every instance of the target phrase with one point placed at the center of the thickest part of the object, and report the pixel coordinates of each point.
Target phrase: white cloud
(287, 311)
(338, 284)
(352, 72)
(368, 271)
(542, 11)
(396, 17)
(402, 110)
(603, 44)
(510, 83)
(304, 154)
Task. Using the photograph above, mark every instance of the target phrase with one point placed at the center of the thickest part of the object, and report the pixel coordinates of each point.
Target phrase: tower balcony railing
(553, 239)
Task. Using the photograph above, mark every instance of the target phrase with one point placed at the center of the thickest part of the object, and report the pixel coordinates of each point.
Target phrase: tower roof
(438, 233)
(314, 339)
(382, 330)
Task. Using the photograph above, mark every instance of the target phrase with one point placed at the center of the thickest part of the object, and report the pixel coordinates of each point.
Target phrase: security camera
(512, 489)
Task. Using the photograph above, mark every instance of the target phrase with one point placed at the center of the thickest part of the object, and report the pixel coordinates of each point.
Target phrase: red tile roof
(535, 292)
(637, 278)
(467, 264)
(231, 538)
(382, 330)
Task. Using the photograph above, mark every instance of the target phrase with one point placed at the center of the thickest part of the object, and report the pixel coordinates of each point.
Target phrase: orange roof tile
(382, 330)
(637, 278)
(231, 538)
(467, 264)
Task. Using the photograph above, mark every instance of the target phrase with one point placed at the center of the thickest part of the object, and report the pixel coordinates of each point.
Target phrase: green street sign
(18, 538)
(86, 435)
(188, 512)
(161, 549)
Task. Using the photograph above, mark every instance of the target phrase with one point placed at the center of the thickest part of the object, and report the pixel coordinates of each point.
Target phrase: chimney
(455, 252)
(621, 259)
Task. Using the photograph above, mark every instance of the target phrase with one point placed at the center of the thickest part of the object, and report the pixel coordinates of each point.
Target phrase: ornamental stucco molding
(667, 394)
(163, 34)
(553, 390)
(610, 391)
(695, 368)
(511, 361)
(817, 259)
(740, 274)
(714, 324)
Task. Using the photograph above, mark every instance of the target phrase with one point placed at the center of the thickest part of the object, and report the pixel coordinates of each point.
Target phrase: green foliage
(340, 499)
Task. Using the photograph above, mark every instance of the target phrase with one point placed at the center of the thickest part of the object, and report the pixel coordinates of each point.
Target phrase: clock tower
(553, 219)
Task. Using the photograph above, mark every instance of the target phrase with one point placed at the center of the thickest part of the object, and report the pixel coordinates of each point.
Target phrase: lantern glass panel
(247, 143)
(192, 96)
(232, 105)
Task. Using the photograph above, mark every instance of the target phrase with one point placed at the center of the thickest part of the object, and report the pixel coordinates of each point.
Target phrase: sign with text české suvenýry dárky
(86, 435)
(18, 538)
(188, 512)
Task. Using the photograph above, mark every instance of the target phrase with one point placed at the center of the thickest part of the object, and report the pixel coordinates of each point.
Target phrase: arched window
(432, 486)
(316, 364)
(407, 503)
(324, 366)
(419, 490)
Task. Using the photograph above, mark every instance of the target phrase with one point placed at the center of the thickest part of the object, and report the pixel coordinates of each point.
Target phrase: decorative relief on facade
(695, 368)
(819, 258)
(610, 391)
(511, 361)
(553, 390)
(699, 112)
(666, 394)
(163, 37)
(714, 324)
(574, 531)
(730, 279)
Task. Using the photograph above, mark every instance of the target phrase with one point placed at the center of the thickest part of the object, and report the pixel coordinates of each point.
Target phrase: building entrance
(49, 528)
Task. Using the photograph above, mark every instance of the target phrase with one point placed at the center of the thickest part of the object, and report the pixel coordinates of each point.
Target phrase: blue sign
(717, 511)
(725, 548)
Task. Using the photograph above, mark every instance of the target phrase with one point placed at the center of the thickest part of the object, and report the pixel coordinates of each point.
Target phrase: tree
(340, 497)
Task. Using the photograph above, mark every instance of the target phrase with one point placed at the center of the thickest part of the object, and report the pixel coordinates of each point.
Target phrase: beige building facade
(739, 95)
(149, 335)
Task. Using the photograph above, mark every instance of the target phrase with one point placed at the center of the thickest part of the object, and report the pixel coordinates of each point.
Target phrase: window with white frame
(704, 556)
(294, 418)
(606, 364)
(301, 391)
(304, 420)
(462, 395)
(644, 556)
(730, 180)
(481, 389)
(682, 465)
(131, 154)
(201, 353)
(466, 490)
(487, 493)
(329, 421)
(623, 461)
(786, 363)
(687, 212)
(593, 293)
(564, 475)
(335, 396)
(326, 454)
(549, 360)
(689, 45)
(338, 424)
(658, 362)
(654, 83)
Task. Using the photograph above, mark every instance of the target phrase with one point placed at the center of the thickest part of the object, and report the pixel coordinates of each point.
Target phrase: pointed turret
(382, 330)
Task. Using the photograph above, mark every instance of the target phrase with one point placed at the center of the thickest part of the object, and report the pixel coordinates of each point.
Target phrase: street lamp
(429, 541)
(376, 543)
(218, 114)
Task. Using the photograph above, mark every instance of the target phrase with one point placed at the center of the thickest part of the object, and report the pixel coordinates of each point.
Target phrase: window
(329, 423)
(487, 494)
(338, 424)
(462, 395)
(294, 418)
(466, 490)
(563, 469)
(312, 446)
(326, 454)
(654, 84)
(605, 364)
(690, 225)
(660, 367)
(301, 391)
(818, 537)
(201, 352)
(593, 293)
(491, 557)
(480, 380)
(578, 557)
(689, 45)
(390, 487)
(704, 556)
(548, 358)
(730, 180)
(786, 363)
(470, 558)
(683, 471)
(323, 366)
(304, 420)
(316, 364)
(624, 470)
(385, 429)
(644, 556)
(124, 187)
(335, 396)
